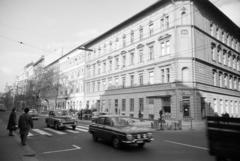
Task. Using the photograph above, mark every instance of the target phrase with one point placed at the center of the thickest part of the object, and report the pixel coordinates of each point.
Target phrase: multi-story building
(72, 69)
(181, 57)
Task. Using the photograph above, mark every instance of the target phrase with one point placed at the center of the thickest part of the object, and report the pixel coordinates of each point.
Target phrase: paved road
(70, 145)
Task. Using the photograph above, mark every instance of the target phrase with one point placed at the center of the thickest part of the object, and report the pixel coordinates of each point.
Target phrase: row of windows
(113, 82)
(133, 58)
(224, 37)
(72, 62)
(221, 106)
(75, 73)
(225, 57)
(225, 80)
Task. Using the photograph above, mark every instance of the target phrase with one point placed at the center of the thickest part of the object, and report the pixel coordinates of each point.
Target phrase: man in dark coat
(25, 123)
(12, 122)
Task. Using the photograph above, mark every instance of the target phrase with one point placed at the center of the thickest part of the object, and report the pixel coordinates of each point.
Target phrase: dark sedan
(119, 130)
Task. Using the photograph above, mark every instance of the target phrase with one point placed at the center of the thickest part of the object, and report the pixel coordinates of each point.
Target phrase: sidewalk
(11, 148)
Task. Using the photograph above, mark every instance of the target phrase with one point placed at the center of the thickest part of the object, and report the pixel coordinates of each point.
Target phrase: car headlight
(138, 136)
(149, 135)
(144, 135)
(129, 136)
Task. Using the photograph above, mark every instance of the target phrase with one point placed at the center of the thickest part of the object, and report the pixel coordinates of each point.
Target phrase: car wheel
(141, 144)
(74, 127)
(56, 126)
(94, 137)
(116, 143)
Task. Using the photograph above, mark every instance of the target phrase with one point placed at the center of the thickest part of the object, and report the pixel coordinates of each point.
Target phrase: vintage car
(60, 119)
(119, 130)
(97, 114)
(34, 114)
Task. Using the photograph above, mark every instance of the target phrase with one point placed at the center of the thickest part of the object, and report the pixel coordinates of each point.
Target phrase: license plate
(140, 141)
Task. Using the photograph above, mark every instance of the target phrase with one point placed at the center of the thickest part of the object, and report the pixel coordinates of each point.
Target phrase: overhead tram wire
(22, 43)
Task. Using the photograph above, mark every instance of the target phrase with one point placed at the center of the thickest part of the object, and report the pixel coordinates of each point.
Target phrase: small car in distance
(34, 114)
(60, 119)
(3, 109)
(119, 130)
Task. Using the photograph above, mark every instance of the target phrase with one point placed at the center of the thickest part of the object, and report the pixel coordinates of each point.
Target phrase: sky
(32, 28)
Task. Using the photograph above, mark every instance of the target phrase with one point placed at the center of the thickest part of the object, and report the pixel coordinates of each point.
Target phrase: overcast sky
(46, 25)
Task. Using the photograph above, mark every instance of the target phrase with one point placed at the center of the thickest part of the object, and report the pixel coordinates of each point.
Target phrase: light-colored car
(34, 114)
(60, 119)
(3, 109)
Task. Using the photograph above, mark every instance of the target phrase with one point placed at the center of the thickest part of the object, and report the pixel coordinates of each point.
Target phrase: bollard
(175, 124)
(180, 124)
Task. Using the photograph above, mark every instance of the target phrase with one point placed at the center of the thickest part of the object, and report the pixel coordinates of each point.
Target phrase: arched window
(183, 18)
(185, 74)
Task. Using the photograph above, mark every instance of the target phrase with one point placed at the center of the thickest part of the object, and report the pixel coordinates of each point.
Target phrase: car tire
(47, 124)
(116, 143)
(94, 137)
(74, 127)
(141, 144)
(56, 126)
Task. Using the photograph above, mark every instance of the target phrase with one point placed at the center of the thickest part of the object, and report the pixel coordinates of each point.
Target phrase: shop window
(186, 106)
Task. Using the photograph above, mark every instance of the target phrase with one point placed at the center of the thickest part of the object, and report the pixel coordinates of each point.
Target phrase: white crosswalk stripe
(81, 129)
(72, 131)
(30, 134)
(42, 132)
(55, 131)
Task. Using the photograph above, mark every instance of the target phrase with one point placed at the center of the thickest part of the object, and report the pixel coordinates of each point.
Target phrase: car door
(100, 127)
(107, 133)
(50, 118)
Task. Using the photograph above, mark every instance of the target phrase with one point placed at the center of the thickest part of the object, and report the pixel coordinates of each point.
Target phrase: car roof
(114, 116)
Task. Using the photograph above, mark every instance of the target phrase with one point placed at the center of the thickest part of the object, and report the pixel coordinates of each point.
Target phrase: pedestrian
(24, 124)
(140, 116)
(12, 122)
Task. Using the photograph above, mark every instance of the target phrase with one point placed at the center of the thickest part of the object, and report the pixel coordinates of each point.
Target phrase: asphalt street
(69, 145)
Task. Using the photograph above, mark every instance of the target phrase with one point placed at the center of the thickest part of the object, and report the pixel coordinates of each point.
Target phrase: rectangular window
(109, 82)
(213, 48)
(99, 68)
(98, 86)
(94, 69)
(117, 63)
(215, 105)
(163, 75)
(123, 82)
(151, 77)
(110, 65)
(104, 67)
(140, 56)
(131, 104)
(116, 82)
(167, 22)
(224, 57)
(104, 85)
(221, 106)
(124, 41)
(233, 62)
(168, 47)
(229, 60)
(150, 101)
(168, 74)
(151, 52)
(219, 55)
(225, 81)
(132, 59)
(150, 29)
(132, 80)
(141, 106)
(141, 79)
(141, 33)
(220, 80)
(123, 104)
(214, 78)
(116, 102)
(162, 48)
(132, 37)
(230, 82)
(124, 61)
(162, 24)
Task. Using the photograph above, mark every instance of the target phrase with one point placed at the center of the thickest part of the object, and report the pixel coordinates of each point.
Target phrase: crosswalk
(51, 132)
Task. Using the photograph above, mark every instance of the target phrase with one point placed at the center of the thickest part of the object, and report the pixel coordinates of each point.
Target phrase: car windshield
(122, 121)
(61, 113)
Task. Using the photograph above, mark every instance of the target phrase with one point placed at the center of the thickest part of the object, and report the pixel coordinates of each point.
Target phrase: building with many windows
(181, 57)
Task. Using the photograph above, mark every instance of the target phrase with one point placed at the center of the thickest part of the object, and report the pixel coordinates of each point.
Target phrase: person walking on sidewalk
(25, 123)
(12, 122)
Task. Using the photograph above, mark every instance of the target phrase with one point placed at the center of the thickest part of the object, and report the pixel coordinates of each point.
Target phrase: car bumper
(68, 124)
(137, 141)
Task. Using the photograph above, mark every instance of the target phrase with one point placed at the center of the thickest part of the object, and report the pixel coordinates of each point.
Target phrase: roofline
(206, 3)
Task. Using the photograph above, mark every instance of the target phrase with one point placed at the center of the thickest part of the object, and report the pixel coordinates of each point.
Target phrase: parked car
(34, 114)
(3, 109)
(60, 119)
(97, 114)
(120, 130)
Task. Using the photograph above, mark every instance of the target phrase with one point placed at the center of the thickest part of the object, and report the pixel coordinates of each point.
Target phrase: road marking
(76, 148)
(30, 134)
(58, 132)
(42, 132)
(186, 145)
(72, 131)
(81, 129)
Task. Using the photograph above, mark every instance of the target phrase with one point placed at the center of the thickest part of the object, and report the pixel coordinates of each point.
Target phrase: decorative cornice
(123, 52)
(140, 46)
(164, 37)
